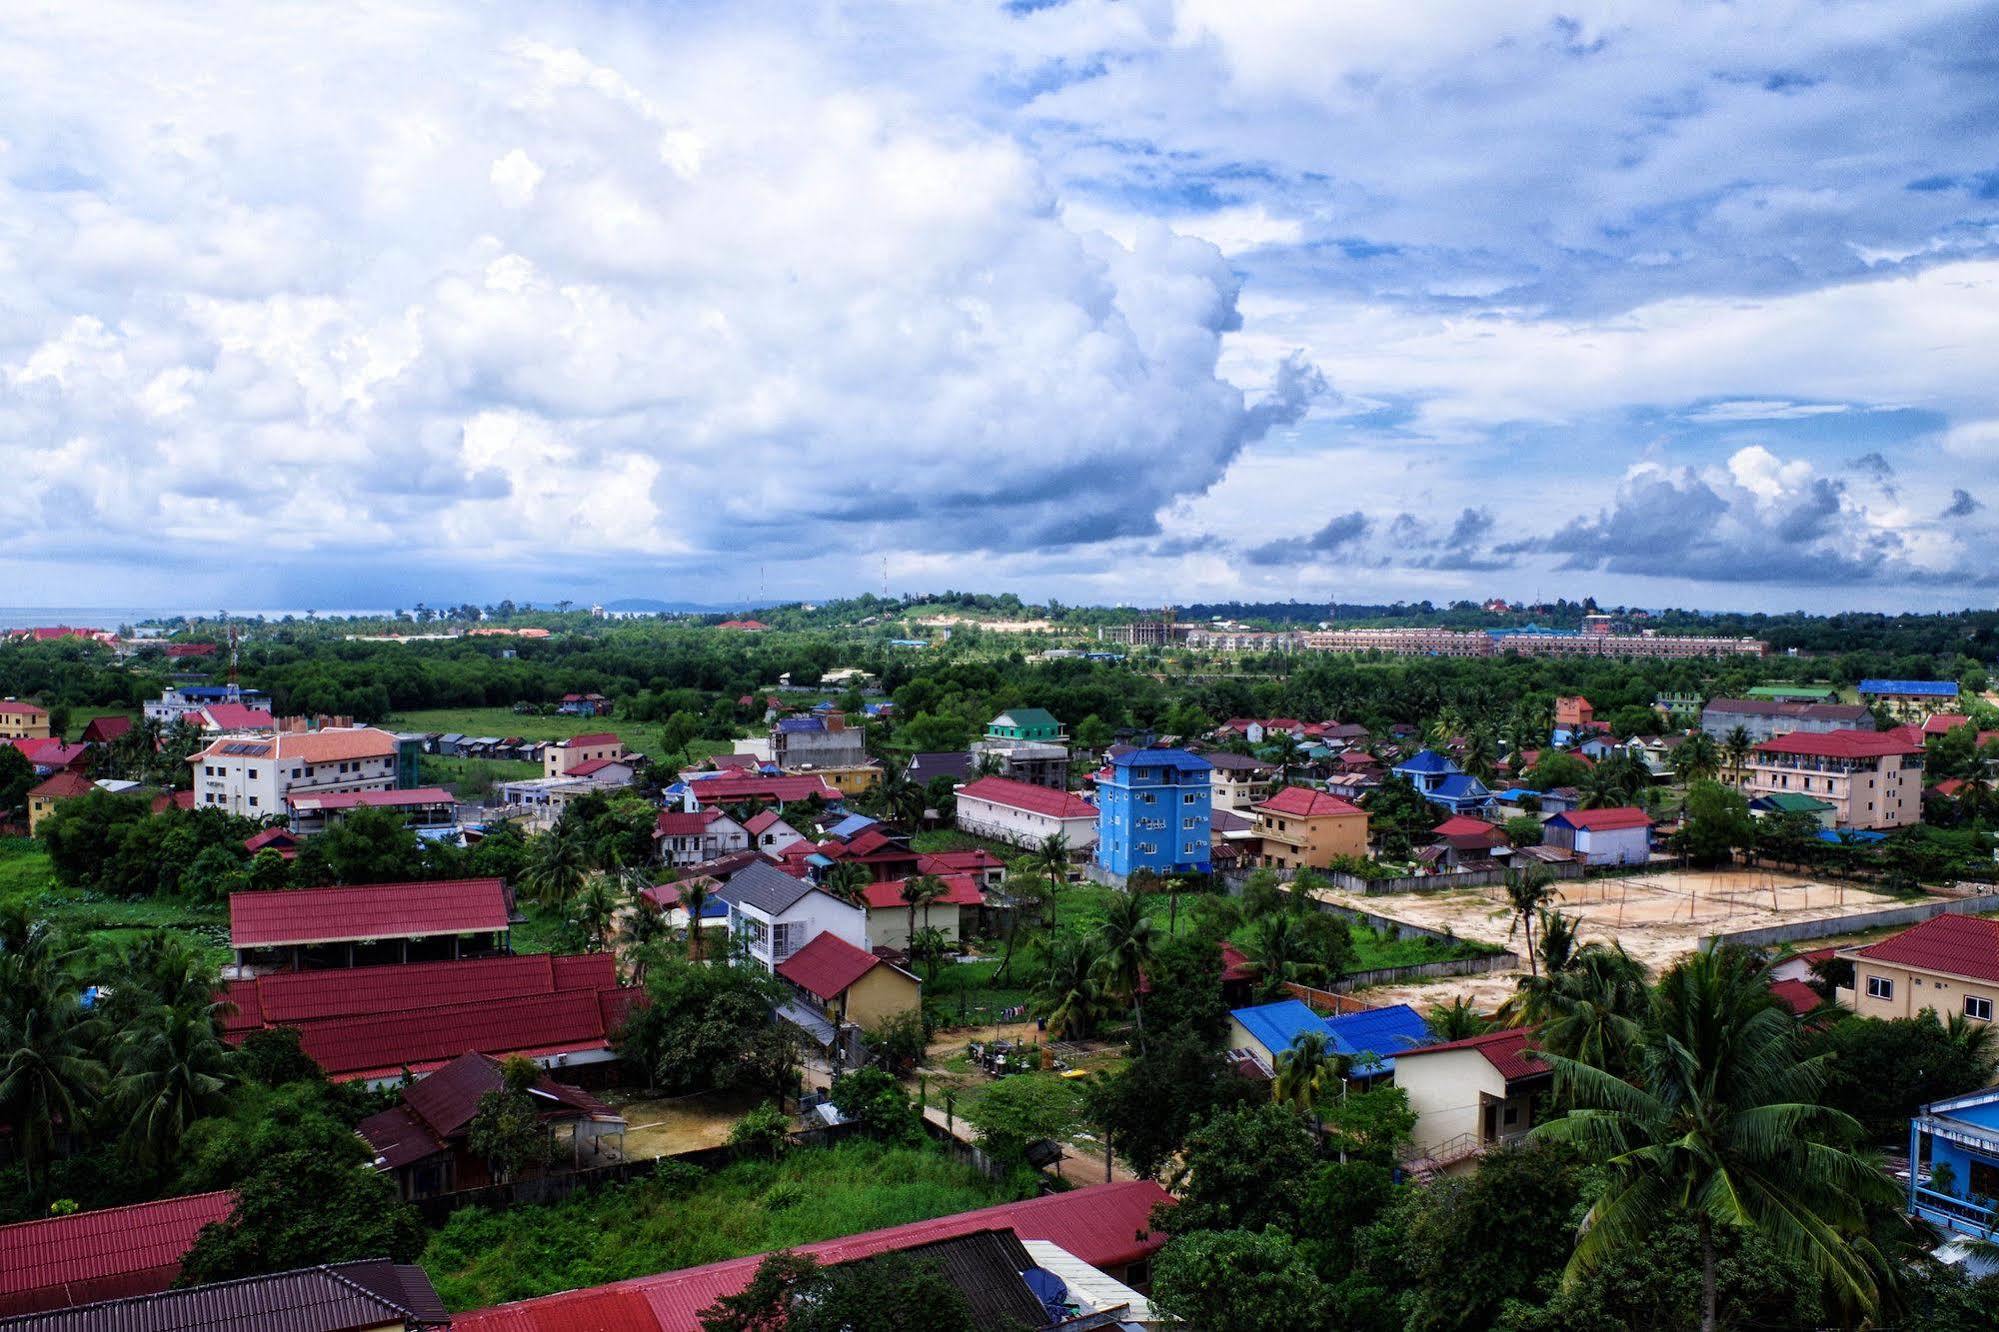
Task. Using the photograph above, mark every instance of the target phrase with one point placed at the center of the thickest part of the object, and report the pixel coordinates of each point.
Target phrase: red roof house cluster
(115, 1253)
(959, 890)
(1966, 946)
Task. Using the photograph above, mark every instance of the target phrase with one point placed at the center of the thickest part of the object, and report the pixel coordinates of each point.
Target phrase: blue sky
(1686, 304)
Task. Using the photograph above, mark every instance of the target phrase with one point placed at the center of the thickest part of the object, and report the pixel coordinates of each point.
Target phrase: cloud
(1962, 504)
(1879, 470)
(1337, 535)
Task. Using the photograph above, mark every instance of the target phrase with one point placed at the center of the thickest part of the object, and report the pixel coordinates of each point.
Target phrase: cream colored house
(22, 721)
(1947, 964)
(1470, 1095)
(1301, 828)
(559, 758)
(1872, 779)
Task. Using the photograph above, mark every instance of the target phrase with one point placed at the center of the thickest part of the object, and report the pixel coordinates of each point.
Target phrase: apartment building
(1301, 828)
(253, 775)
(22, 721)
(1872, 779)
(1948, 964)
(1530, 641)
(816, 742)
(1765, 719)
(577, 750)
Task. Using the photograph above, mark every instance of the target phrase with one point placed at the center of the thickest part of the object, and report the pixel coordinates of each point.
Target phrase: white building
(770, 834)
(1025, 814)
(1470, 1095)
(689, 837)
(252, 775)
(772, 915)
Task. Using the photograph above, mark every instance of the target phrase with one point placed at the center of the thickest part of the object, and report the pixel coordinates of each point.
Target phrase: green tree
(172, 1068)
(365, 846)
(848, 882)
(1051, 857)
(791, 1292)
(1697, 759)
(873, 1098)
(680, 731)
(1244, 1169)
(49, 1070)
(1715, 825)
(1881, 1071)
(763, 1132)
(1069, 993)
(506, 1128)
(918, 892)
(1527, 892)
(1128, 940)
(557, 864)
(303, 1205)
(1721, 1121)
(1307, 1070)
(1456, 1020)
(1019, 1111)
(1240, 1281)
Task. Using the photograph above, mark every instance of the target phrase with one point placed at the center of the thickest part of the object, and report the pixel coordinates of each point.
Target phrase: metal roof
(334, 1297)
(1914, 688)
(765, 888)
(115, 1252)
(378, 911)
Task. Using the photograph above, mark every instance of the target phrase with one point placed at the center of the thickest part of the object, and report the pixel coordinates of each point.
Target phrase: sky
(1155, 301)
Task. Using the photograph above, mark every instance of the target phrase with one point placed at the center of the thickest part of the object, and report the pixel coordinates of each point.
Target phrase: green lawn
(484, 1257)
(641, 737)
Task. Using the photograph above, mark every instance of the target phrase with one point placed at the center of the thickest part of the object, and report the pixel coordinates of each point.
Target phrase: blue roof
(850, 825)
(795, 724)
(1428, 760)
(1460, 784)
(1927, 688)
(1276, 1025)
(1856, 836)
(1512, 793)
(1163, 758)
(1372, 1039)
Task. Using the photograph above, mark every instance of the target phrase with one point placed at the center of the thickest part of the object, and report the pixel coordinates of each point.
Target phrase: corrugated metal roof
(378, 911)
(827, 965)
(107, 1254)
(765, 887)
(1105, 1225)
(383, 1043)
(335, 1297)
(1026, 795)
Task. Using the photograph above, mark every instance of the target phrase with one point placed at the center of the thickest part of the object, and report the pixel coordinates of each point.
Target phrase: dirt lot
(1657, 917)
(681, 1124)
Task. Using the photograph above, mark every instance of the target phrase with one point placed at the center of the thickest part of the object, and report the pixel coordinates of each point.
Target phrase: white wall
(1443, 1090)
(1022, 827)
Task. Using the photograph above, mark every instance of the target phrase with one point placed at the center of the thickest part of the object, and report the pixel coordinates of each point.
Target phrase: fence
(1457, 966)
(1857, 922)
(1442, 883)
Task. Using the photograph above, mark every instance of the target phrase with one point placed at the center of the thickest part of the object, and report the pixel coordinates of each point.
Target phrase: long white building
(252, 775)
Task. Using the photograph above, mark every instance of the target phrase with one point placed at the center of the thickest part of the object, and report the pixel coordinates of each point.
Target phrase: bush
(763, 1132)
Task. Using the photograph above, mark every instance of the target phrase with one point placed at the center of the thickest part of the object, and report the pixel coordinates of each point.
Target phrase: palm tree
(929, 944)
(1481, 752)
(1068, 994)
(849, 882)
(641, 927)
(1720, 1120)
(1558, 941)
(1052, 859)
(1306, 1069)
(1977, 1040)
(694, 900)
(49, 1073)
(1698, 758)
(556, 867)
(920, 891)
(1527, 891)
(1286, 752)
(1280, 954)
(1128, 938)
(1737, 747)
(595, 909)
(1456, 1020)
(898, 799)
(172, 1069)
(1590, 1010)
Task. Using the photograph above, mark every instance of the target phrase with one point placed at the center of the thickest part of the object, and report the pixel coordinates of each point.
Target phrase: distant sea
(110, 617)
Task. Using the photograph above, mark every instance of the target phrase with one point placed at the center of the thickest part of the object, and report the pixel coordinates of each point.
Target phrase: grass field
(483, 1257)
(641, 737)
(102, 924)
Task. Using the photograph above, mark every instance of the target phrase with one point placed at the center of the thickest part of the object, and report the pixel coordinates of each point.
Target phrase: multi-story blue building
(1954, 1163)
(1153, 809)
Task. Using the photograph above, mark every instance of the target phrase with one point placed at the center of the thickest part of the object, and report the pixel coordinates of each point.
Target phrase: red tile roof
(1105, 1225)
(586, 741)
(958, 891)
(1842, 744)
(238, 717)
(100, 730)
(63, 786)
(681, 823)
(378, 911)
(294, 998)
(730, 788)
(1301, 802)
(14, 707)
(114, 1253)
(1461, 825)
(1026, 795)
(596, 765)
(1956, 945)
(1505, 1050)
(1604, 820)
(1795, 995)
(827, 966)
(763, 820)
(383, 1044)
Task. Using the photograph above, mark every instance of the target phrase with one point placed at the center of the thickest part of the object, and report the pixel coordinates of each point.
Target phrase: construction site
(1657, 916)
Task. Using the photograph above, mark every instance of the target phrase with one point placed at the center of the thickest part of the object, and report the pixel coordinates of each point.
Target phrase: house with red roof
(737, 788)
(954, 914)
(1023, 814)
(689, 837)
(43, 798)
(279, 840)
(1621, 835)
(1301, 828)
(845, 986)
(422, 1140)
(978, 864)
(234, 717)
(113, 1253)
(1872, 779)
(884, 854)
(770, 834)
(744, 626)
(1948, 964)
(422, 807)
(378, 923)
(584, 705)
(1106, 1227)
(560, 757)
(1470, 1095)
(103, 730)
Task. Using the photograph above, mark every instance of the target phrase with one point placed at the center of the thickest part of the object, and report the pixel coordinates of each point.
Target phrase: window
(253, 802)
(1192, 797)
(1976, 1007)
(1190, 824)
(1880, 987)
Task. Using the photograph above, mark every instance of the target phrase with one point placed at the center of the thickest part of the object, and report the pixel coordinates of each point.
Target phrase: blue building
(1370, 1040)
(1954, 1163)
(1441, 781)
(1152, 813)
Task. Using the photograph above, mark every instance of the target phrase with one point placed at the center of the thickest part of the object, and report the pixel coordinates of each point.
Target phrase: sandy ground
(1657, 917)
(681, 1124)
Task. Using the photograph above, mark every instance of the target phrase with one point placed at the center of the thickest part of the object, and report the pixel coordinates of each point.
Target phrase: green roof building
(1035, 726)
(1791, 802)
(1795, 693)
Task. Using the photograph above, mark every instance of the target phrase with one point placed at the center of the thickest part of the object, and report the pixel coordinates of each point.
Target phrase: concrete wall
(1858, 922)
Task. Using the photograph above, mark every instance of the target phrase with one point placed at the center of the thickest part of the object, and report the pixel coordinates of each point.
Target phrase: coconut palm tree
(1737, 747)
(556, 866)
(1698, 758)
(1128, 939)
(1280, 953)
(1068, 995)
(1720, 1120)
(929, 944)
(1527, 891)
(920, 891)
(172, 1069)
(849, 882)
(49, 1070)
(1590, 1010)
(595, 908)
(1052, 859)
(1306, 1070)
(1285, 751)
(1456, 1020)
(641, 926)
(694, 897)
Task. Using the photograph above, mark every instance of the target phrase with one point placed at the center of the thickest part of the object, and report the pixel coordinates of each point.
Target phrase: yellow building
(1302, 828)
(1947, 964)
(43, 799)
(849, 985)
(559, 758)
(849, 779)
(22, 721)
